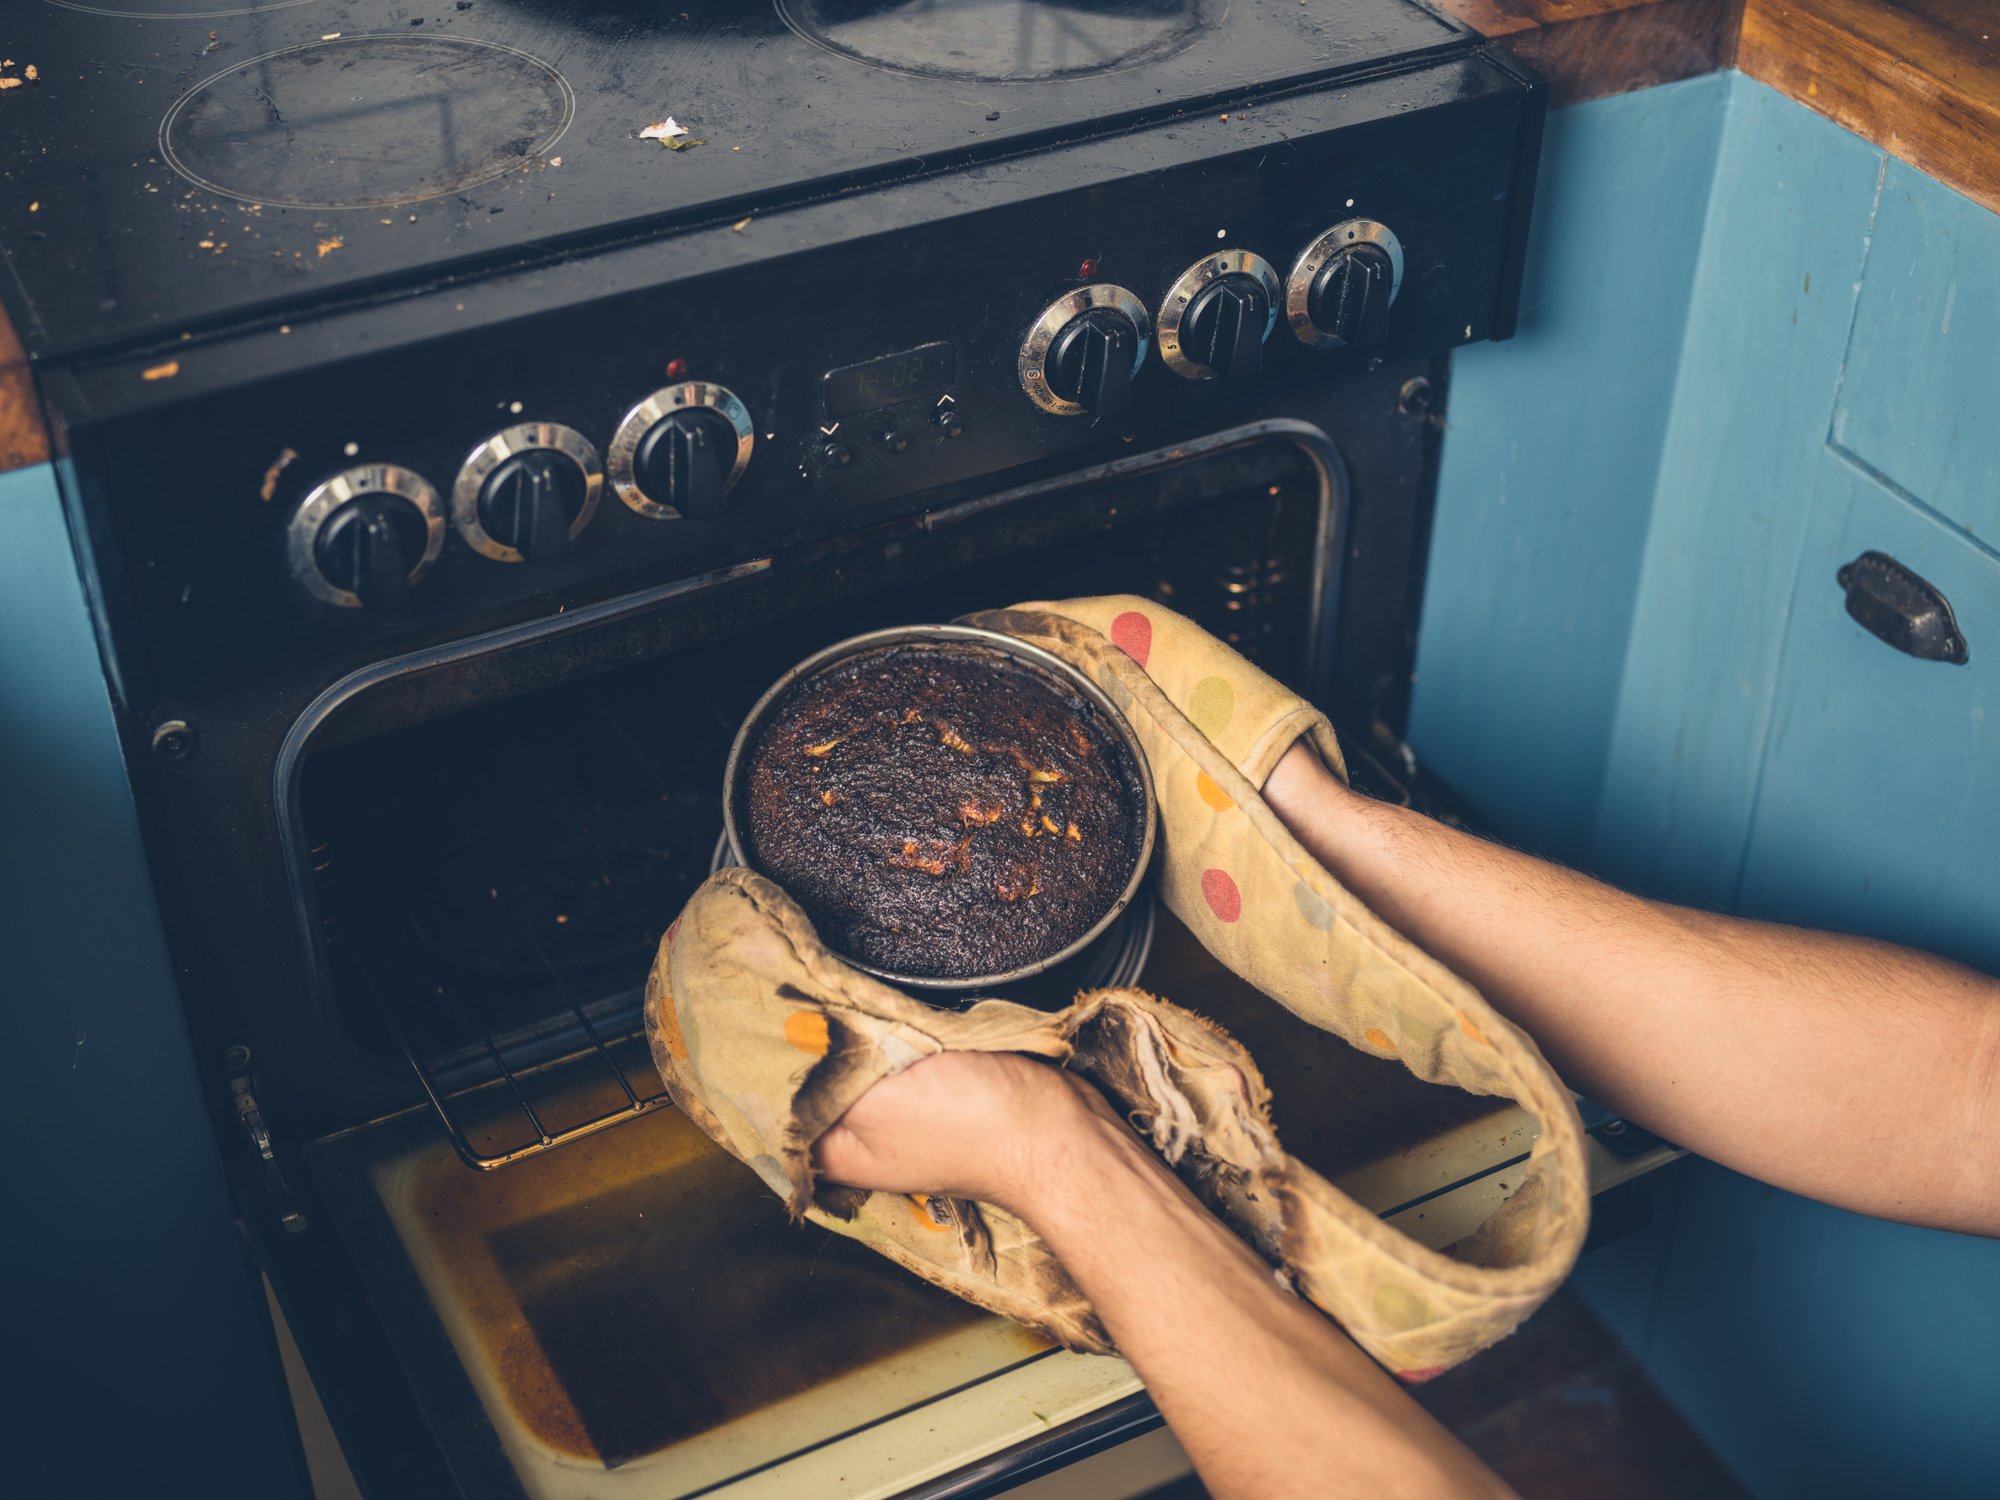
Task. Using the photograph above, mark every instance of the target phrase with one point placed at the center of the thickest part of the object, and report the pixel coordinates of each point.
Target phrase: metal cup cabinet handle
(1895, 605)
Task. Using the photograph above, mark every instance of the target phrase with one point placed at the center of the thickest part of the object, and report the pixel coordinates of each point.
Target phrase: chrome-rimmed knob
(364, 537)
(680, 450)
(1366, 302)
(1079, 328)
(1236, 346)
(526, 493)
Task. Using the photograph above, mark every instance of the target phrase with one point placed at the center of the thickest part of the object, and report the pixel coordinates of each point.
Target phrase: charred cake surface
(942, 811)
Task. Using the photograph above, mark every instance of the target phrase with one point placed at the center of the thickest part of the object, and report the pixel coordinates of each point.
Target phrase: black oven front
(415, 847)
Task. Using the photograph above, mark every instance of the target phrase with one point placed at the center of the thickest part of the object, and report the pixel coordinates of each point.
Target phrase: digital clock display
(921, 374)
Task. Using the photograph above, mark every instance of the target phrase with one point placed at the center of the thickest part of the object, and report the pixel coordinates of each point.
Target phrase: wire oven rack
(505, 958)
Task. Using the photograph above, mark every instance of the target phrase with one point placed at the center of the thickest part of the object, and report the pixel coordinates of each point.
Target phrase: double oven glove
(1213, 726)
(765, 1038)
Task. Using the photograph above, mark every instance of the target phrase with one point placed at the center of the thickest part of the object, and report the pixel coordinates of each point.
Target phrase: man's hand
(980, 1125)
(1269, 1398)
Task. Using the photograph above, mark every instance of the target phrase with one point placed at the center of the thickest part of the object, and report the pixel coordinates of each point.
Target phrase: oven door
(487, 842)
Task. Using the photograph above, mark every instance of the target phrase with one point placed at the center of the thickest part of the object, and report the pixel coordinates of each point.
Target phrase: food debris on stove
(330, 244)
(278, 465)
(165, 371)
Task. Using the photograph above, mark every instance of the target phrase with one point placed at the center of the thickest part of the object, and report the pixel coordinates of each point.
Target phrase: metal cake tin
(1058, 673)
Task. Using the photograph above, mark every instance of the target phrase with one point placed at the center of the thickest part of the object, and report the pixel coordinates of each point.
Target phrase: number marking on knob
(1058, 315)
(363, 480)
(689, 395)
(1343, 236)
(1190, 283)
(527, 437)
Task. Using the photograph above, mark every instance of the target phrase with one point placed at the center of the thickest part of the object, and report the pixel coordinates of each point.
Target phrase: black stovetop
(184, 164)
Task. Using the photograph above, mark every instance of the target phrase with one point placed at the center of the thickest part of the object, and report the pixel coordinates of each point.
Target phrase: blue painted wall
(141, 1359)
(1550, 462)
(1727, 736)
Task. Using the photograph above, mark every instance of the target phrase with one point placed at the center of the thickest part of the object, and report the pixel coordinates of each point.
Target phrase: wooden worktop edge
(24, 440)
(1923, 87)
(1590, 48)
(1919, 78)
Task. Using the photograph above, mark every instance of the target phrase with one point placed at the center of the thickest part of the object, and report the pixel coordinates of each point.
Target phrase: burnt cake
(941, 810)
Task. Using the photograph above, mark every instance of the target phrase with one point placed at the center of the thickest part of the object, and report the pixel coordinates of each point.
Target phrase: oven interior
(491, 885)
(635, 1307)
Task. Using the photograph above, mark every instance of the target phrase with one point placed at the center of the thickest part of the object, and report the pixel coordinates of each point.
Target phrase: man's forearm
(1269, 1398)
(1853, 1071)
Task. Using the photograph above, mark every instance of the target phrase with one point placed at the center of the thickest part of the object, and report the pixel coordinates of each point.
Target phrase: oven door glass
(633, 1313)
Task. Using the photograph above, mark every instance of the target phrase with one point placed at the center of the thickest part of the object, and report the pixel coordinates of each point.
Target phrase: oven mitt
(765, 1038)
(1213, 726)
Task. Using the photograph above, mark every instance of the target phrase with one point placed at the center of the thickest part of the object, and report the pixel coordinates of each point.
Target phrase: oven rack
(455, 1105)
(519, 1048)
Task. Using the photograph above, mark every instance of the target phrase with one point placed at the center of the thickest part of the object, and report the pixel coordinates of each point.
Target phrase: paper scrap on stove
(671, 134)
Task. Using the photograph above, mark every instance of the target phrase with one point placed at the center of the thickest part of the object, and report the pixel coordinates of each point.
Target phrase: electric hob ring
(1000, 41)
(174, 10)
(435, 115)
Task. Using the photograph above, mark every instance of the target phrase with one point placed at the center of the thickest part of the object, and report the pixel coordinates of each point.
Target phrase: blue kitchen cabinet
(1635, 656)
(1923, 361)
(1878, 805)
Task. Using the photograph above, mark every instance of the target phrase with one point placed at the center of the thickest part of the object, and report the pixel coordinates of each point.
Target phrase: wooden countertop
(23, 439)
(1590, 48)
(1919, 78)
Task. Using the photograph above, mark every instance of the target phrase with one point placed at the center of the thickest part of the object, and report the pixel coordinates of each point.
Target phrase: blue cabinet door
(1878, 809)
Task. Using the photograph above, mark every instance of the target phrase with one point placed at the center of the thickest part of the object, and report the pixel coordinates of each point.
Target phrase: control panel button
(1340, 290)
(894, 440)
(524, 495)
(363, 538)
(949, 422)
(681, 450)
(1081, 354)
(1217, 315)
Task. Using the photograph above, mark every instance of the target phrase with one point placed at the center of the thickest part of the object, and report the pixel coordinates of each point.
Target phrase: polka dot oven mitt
(1213, 726)
(765, 1038)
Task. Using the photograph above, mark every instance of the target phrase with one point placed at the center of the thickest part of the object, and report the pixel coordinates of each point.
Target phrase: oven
(430, 599)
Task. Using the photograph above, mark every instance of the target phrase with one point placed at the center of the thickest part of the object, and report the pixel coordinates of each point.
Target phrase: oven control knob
(1092, 361)
(679, 452)
(1341, 288)
(1350, 298)
(684, 461)
(1217, 315)
(1225, 325)
(523, 495)
(363, 538)
(1082, 352)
